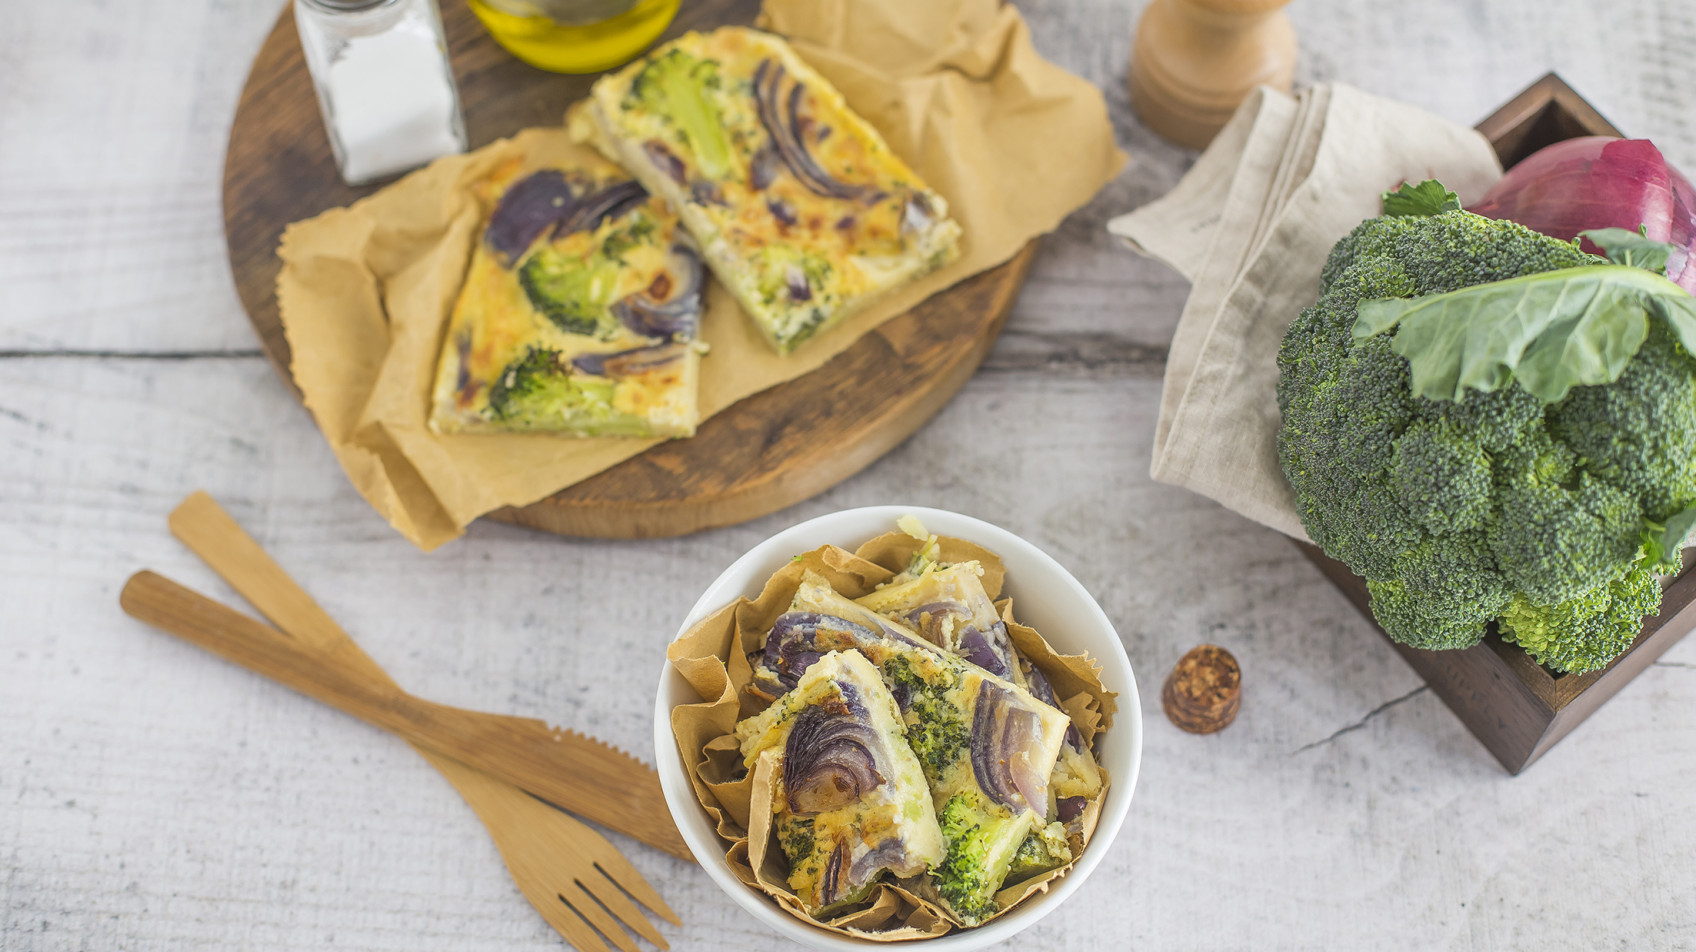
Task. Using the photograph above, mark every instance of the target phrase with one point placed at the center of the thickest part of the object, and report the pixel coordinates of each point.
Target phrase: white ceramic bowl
(1045, 596)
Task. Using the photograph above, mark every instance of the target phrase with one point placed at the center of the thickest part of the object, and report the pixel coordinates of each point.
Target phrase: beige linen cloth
(1250, 226)
(1013, 142)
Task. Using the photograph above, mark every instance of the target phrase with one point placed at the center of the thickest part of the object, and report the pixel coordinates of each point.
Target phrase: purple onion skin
(666, 160)
(780, 114)
(762, 168)
(678, 315)
(796, 281)
(1070, 808)
(916, 214)
(596, 207)
(830, 884)
(1601, 182)
(798, 639)
(626, 363)
(531, 206)
(937, 612)
(831, 757)
(1044, 692)
(890, 854)
(706, 193)
(547, 202)
(999, 732)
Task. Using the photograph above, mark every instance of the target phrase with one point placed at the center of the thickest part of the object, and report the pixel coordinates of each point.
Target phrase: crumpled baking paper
(1013, 142)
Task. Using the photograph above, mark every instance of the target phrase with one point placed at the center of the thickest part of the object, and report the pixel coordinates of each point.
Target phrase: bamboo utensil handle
(560, 766)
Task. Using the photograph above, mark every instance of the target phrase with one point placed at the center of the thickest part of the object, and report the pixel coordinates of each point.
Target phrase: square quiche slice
(850, 802)
(578, 314)
(798, 205)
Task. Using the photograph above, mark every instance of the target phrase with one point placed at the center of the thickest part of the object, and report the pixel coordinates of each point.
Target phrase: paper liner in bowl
(713, 657)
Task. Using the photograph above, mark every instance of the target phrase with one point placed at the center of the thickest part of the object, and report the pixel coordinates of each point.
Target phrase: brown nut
(1204, 690)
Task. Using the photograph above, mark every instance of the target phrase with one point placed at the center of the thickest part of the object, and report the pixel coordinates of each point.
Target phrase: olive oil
(577, 48)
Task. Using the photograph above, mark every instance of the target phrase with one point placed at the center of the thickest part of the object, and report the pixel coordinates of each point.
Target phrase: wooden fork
(574, 877)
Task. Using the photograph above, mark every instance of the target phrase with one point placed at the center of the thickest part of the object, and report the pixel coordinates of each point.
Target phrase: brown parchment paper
(713, 657)
(1012, 141)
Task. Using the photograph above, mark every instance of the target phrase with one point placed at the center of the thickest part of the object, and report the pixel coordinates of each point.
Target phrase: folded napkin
(1250, 226)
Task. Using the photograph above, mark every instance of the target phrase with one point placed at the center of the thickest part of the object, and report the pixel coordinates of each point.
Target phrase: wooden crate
(1515, 706)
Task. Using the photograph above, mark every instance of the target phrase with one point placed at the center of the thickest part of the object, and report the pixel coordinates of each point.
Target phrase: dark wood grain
(764, 453)
(1516, 707)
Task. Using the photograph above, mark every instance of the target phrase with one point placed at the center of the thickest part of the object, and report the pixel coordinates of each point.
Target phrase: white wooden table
(153, 797)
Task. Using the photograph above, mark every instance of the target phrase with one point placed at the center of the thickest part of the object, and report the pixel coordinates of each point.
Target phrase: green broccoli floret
(679, 87)
(1441, 594)
(1639, 433)
(539, 390)
(571, 291)
(1042, 850)
(982, 839)
(1495, 506)
(935, 728)
(1586, 632)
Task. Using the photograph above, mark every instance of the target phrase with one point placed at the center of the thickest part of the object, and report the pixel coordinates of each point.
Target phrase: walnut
(1204, 690)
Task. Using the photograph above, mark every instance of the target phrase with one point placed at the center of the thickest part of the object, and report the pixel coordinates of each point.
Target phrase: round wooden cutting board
(771, 450)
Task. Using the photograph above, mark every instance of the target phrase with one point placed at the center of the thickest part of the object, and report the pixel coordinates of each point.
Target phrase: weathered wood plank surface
(152, 797)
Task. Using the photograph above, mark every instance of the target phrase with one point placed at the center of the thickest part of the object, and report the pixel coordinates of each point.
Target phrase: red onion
(800, 638)
(673, 313)
(627, 363)
(1601, 182)
(831, 758)
(531, 206)
(780, 114)
(1003, 736)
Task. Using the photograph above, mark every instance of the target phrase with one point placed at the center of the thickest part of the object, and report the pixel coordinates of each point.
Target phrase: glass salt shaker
(381, 71)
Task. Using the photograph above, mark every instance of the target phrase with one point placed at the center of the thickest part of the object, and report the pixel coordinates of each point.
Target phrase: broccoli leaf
(1659, 546)
(1551, 331)
(1427, 198)
(1631, 248)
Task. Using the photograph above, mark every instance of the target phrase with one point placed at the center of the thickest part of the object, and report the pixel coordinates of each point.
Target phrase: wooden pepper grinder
(1193, 62)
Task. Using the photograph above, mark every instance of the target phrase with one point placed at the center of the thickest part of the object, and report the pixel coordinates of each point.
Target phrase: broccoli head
(1495, 506)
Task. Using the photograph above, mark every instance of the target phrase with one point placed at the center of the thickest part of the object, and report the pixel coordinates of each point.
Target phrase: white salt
(392, 103)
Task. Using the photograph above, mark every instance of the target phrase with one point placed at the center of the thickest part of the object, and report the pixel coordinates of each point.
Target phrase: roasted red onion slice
(1070, 808)
(1003, 735)
(548, 202)
(991, 650)
(916, 214)
(780, 114)
(796, 280)
(890, 854)
(831, 886)
(781, 210)
(627, 363)
(674, 314)
(1043, 691)
(597, 207)
(798, 639)
(927, 620)
(666, 160)
(832, 757)
(530, 206)
(762, 168)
